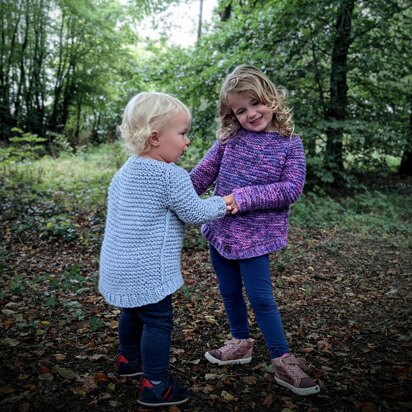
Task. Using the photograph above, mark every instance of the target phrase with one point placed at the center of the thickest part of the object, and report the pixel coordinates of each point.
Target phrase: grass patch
(54, 192)
(86, 166)
(372, 213)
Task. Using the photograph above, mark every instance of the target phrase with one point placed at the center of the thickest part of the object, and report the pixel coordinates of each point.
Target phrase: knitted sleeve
(205, 173)
(188, 206)
(279, 194)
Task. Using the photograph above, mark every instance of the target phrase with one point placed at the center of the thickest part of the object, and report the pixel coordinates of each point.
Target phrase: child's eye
(255, 103)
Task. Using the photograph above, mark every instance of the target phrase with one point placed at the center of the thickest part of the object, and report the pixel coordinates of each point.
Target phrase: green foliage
(95, 324)
(60, 144)
(297, 56)
(376, 214)
(193, 239)
(3, 262)
(17, 285)
(76, 184)
(67, 64)
(50, 302)
(65, 189)
(23, 147)
(17, 158)
(60, 226)
(90, 52)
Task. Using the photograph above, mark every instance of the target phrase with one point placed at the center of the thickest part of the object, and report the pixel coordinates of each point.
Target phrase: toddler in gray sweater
(150, 200)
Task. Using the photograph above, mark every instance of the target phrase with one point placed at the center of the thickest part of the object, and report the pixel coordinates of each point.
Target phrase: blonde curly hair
(144, 112)
(253, 82)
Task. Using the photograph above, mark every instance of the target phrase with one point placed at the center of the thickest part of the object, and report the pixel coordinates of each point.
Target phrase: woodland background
(68, 68)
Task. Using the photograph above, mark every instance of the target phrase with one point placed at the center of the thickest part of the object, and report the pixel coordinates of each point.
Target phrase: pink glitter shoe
(289, 374)
(234, 351)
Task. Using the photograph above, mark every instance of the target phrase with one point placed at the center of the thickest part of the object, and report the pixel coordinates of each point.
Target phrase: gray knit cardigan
(149, 203)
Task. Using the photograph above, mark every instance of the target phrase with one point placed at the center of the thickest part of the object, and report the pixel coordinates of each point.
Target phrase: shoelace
(228, 345)
(294, 368)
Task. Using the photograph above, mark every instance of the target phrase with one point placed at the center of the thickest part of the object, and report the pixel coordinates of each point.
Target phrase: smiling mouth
(256, 120)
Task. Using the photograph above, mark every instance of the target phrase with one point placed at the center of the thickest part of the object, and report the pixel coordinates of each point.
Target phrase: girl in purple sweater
(259, 161)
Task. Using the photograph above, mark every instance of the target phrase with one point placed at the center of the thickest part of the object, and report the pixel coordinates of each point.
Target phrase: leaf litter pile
(344, 300)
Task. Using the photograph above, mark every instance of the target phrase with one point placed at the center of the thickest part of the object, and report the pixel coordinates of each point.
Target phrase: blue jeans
(254, 274)
(145, 335)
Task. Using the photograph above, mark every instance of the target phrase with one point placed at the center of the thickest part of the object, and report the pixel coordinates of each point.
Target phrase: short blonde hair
(144, 112)
(253, 82)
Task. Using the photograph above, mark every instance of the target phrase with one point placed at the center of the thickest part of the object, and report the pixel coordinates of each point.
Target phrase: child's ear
(154, 138)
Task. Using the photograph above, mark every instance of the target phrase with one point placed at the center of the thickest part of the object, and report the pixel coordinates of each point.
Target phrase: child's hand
(231, 205)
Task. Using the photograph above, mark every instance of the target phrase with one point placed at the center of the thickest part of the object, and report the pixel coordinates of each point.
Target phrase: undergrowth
(49, 195)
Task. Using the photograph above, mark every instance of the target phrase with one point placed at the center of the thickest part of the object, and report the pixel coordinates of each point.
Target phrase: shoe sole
(131, 375)
(156, 405)
(214, 360)
(299, 391)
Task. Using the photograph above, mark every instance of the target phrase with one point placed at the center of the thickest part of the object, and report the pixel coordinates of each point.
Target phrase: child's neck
(151, 155)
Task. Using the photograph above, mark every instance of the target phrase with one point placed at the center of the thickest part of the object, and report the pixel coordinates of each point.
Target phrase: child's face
(252, 114)
(173, 138)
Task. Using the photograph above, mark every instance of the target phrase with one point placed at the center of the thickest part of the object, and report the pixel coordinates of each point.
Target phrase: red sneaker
(167, 393)
(126, 368)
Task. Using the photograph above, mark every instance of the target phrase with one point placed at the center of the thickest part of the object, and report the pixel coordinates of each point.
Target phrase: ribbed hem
(237, 251)
(140, 299)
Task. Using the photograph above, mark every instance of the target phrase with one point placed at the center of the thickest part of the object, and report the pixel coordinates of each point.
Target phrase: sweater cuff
(242, 199)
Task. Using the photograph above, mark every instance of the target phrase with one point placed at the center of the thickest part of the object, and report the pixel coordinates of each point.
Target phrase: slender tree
(336, 111)
(406, 162)
(200, 20)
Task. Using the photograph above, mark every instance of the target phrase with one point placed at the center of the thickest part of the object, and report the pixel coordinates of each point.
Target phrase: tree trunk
(21, 82)
(62, 73)
(406, 164)
(78, 120)
(337, 107)
(199, 26)
(39, 74)
(226, 13)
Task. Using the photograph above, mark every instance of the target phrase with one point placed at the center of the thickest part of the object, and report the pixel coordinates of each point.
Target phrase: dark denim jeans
(145, 334)
(254, 274)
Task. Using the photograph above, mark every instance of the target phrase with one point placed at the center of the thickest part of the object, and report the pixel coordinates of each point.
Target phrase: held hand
(231, 205)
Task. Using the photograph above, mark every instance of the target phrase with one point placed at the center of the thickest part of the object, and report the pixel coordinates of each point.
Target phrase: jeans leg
(230, 287)
(258, 286)
(130, 334)
(157, 321)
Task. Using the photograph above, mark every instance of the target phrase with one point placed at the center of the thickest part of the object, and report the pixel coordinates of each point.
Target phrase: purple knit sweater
(266, 173)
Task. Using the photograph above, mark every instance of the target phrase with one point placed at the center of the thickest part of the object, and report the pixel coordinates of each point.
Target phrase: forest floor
(344, 300)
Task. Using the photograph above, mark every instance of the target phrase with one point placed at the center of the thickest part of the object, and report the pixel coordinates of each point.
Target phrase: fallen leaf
(365, 406)
(6, 389)
(173, 408)
(11, 342)
(78, 390)
(268, 401)
(98, 356)
(227, 396)
(46, 377)
(101, 377)
(65, 373)
(24, 407)
(8, 312)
